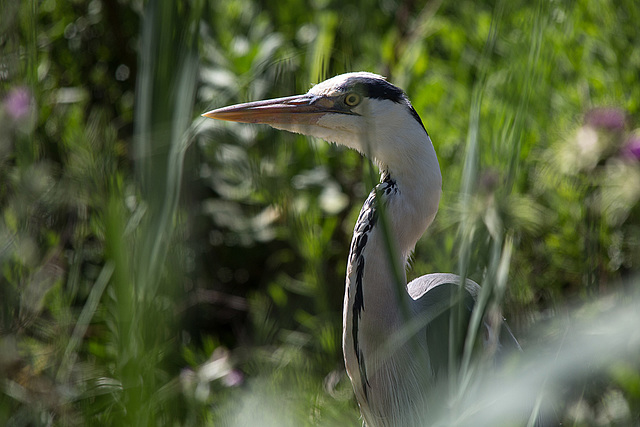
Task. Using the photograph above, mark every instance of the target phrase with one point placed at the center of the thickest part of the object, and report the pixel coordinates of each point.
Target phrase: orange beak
(300, 109)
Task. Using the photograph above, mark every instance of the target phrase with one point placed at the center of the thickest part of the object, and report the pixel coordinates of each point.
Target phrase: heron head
(359, 110)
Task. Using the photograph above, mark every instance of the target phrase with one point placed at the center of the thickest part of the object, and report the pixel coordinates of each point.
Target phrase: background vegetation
(160, 269)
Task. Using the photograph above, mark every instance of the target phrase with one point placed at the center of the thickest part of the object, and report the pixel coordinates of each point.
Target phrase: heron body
(392, 377)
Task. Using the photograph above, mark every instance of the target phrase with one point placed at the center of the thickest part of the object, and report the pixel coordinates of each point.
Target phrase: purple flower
(606, 118)
(233, 378)
(631, 150)
(17, 103)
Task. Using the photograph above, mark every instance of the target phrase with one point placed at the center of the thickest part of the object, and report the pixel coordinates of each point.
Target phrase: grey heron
(363, 111)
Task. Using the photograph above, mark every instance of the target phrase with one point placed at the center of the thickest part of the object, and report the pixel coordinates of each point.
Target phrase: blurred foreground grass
(159, 269)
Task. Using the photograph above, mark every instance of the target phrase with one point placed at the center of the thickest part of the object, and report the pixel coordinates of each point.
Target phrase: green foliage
(158, 268)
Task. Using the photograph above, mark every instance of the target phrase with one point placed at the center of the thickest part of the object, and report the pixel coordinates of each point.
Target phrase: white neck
(410, 191)
(414, 207)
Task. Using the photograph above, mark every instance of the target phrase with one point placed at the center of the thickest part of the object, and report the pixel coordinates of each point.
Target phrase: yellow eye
(352, 99)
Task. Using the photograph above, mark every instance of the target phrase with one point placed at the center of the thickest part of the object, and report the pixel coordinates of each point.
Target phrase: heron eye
(352, 99)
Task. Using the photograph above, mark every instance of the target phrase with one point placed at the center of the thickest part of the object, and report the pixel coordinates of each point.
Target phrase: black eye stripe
(376, 89)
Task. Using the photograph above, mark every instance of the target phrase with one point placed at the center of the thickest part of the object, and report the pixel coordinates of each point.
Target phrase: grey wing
(439, 296)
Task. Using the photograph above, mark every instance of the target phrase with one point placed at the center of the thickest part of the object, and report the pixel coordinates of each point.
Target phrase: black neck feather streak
(364, 225)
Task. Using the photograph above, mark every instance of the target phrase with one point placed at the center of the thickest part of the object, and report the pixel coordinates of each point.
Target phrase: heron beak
(300, 109)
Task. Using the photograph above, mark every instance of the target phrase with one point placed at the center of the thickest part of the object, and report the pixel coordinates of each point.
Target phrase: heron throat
(372, 304)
